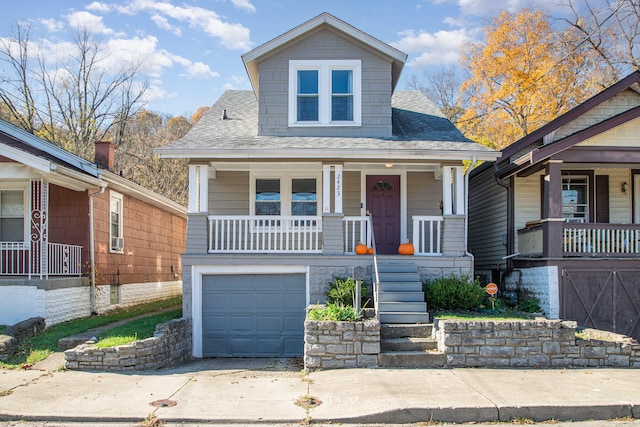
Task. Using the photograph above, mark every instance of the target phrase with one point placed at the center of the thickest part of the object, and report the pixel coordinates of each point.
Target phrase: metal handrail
(376, 282)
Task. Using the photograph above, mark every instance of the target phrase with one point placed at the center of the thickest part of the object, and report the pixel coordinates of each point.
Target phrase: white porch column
(458, 182)
(198, 188)
(338, 189)
(326, 188)
(447, 202)
(453, 190)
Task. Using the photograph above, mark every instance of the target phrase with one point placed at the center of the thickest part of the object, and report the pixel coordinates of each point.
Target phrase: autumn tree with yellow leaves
(522, 75)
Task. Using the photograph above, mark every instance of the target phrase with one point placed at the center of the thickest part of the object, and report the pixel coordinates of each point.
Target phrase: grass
(485, 315)
(135, 330)
(37, 348)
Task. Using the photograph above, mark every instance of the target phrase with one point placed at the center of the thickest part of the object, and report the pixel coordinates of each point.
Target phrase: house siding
(325, 45)
(424, 194)
(613, 106)
(69, 219)
(527, 199)
(229, 193)
(351, 198)
(154, 240)
(487, 222)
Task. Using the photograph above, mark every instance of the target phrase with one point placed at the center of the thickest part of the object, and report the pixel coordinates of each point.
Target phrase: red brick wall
(69, 219)
(153, 242)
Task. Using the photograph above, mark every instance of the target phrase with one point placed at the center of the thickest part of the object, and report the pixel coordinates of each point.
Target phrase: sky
(191, 49)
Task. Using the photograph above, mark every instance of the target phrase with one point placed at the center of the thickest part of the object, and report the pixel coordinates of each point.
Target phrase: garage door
(603, 299)
(253, 315)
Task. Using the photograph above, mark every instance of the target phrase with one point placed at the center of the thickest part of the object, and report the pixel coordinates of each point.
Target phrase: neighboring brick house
(66, 223)
(282, 178)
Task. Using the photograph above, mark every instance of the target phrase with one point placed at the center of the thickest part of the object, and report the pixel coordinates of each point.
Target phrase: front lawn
(136, 330)
(37, 348)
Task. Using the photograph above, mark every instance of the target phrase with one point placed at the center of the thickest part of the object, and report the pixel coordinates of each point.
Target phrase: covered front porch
(326, 209)
(25, 249)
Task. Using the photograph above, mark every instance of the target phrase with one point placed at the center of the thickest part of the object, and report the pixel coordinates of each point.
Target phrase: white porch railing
(427, 232)
(265, 234)
(62, 260)
(609, 239)
(357, 229)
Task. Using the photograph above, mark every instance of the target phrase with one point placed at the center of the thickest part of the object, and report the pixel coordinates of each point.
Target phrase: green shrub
(342, 290)
(454, 293)
(335, 312)
(529, 305)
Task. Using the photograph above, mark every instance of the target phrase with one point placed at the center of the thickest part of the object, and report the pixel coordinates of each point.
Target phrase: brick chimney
(105, 154)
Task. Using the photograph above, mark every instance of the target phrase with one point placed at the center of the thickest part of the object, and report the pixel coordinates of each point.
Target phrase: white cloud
(200, 70)
(52, 25)
(84, 19)
(142, 51)
(97, 6)
(163, 23)
(244, 5)
(442, 47)
(232, 36)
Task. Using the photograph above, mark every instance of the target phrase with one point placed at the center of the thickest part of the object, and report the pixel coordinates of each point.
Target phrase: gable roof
(532, 149)
(420, 132)
(324, 20)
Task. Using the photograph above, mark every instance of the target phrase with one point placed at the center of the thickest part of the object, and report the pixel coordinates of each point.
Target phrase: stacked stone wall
(170, 344)
(531, 344)
(330, 345)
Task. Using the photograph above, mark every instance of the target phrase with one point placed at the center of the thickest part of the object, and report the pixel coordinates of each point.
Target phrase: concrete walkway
(236, 391)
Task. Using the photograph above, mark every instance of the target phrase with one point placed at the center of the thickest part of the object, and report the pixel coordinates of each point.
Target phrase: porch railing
(356, 229)
(530, 241)
(427, 231)
(264, 234)
(17, 259)
(610, 239)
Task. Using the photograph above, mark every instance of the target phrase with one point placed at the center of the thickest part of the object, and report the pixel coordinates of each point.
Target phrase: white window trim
(285, 190)
(324, 68)
(119, 197)
(26, 205)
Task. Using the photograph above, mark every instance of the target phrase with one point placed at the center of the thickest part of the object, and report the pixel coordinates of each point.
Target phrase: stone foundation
(341, 344)
(170, 344)
(531, 344)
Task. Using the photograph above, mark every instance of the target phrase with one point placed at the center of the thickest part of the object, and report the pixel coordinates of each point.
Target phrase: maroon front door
(383, 201)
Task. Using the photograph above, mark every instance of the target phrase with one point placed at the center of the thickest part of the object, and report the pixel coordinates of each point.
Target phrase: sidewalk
(234, 391)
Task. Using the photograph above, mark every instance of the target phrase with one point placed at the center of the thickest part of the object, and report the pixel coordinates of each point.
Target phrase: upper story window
(115, 220)
(325, 93)
(12, 215)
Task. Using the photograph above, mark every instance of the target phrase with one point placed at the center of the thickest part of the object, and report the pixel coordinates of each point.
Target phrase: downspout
(92, 254)
(510, 248)
(466, 207)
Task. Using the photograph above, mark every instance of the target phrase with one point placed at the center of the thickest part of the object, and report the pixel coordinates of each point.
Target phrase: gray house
(558, 214)
(287, 179)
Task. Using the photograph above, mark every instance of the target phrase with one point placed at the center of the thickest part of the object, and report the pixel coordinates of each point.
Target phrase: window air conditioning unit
(117, 243)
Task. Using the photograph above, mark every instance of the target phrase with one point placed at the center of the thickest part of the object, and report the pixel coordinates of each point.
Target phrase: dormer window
(325, 93)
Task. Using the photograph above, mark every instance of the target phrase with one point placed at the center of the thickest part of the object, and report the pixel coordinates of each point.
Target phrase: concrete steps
(401, 297)
(409, 346)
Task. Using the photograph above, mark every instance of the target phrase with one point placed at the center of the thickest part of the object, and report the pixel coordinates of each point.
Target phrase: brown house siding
(153, 242)
(69, 219)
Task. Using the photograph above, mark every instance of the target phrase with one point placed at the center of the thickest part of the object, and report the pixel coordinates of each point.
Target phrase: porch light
(388, 165)
(625, 187)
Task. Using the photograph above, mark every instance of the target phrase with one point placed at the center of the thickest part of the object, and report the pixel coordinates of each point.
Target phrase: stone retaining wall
(170, 344)
(13, 335)
(530, 343)
(341, 344)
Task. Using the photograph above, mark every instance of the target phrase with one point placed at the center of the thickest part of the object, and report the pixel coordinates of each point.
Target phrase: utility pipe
(92, 254)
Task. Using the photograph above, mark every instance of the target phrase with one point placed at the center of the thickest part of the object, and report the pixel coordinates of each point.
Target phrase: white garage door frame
(198, 271)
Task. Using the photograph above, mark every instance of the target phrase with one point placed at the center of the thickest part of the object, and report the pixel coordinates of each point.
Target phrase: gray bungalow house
(558, 213)
(286, 180)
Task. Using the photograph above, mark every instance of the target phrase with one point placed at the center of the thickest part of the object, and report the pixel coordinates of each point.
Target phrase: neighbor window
(575, 198)
(12, 218)
(115, 229)
(324, 93)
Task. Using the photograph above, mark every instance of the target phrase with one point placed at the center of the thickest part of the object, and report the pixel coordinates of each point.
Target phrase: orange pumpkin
(405, 248)
(370, 251)
(361, 249)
